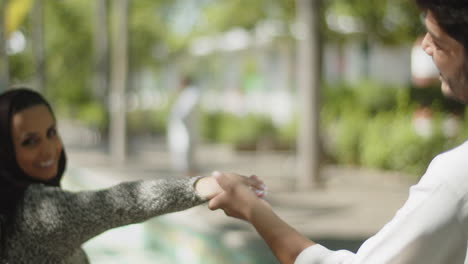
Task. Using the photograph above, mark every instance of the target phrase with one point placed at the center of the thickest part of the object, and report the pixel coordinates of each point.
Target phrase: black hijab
(13, 181)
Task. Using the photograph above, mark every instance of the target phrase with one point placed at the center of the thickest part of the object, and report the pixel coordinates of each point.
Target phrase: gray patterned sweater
(54, 223)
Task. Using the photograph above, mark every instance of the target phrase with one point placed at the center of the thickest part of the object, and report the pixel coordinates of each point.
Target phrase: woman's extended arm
(71, 218)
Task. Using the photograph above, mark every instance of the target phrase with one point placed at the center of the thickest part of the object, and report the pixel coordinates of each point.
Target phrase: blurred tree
(390, 22)
(149, 33)
(4, 72)
(222, 15)
(387, 21)
(37, 44)
(101, 50)
(69, 60)
(309, 78)
(119, 81)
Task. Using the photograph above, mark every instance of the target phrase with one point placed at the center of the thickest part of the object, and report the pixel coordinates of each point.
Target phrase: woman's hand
(238, 200)
(208, 187)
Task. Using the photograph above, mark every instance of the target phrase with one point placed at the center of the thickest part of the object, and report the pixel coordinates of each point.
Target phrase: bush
(364, 125)
(390, 143)
(373, 127)
(347, 131)
(151, 122)
(93, 115)
(241, 131)
(287, 135)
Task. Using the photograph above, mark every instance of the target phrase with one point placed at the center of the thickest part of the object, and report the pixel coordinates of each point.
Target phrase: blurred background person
(182, 127)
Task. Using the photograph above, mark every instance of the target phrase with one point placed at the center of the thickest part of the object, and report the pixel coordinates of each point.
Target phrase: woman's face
(36, 142)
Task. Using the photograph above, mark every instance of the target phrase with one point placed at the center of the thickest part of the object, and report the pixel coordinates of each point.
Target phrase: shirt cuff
(318, 254)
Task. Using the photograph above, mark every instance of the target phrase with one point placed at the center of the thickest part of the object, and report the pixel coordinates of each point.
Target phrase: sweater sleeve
(69, 219)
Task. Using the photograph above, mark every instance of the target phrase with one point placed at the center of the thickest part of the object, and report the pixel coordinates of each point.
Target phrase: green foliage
(242, 131)
(20, 68)
(391, 143)
(373, 97)
(387, 21)
(287, 134)
(223, 15)
(363, 130)
(150, 37)
(149, 122)
(348, 135)
(93, 115)
(211, 123)
(68, 56)
(365, 124)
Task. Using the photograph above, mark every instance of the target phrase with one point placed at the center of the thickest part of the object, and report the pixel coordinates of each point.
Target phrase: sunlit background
(111, 69)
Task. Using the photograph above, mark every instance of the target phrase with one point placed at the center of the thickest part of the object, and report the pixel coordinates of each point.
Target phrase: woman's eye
(52, 132)
(28, 142)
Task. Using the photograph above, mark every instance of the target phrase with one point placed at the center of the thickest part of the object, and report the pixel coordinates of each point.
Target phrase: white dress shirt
(430, 228)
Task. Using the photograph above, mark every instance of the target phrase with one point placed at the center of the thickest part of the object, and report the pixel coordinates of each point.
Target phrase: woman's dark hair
(451, 16)
(13, 180)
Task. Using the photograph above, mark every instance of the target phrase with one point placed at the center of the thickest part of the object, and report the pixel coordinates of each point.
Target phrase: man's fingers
(225, 180)
(255, 177)
(255, 182)
(229, 181)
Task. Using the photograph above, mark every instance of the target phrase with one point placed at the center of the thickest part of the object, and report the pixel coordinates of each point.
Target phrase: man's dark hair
(451, 16)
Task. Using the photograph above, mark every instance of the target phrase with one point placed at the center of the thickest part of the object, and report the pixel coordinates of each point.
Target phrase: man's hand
(238, 200)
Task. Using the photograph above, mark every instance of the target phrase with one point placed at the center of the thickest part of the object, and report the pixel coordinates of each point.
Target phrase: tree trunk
(309, 75)
(118, 82)
(101, 51)
(37, 38)
(4, 65)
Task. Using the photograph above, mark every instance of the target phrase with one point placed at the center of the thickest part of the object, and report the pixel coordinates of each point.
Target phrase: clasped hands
(238, 196)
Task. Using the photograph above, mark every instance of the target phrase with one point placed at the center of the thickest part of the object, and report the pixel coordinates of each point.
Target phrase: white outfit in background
(182, 132)
(431, 227)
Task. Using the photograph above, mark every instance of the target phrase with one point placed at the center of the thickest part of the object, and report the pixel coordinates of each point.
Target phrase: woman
(42, 223)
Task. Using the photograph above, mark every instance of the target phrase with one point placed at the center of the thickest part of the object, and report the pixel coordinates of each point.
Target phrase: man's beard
(457, 86)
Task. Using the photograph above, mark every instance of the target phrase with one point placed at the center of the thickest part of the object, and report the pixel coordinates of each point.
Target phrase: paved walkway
(353, 206)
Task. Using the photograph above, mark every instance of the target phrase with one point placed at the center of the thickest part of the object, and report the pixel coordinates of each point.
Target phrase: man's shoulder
(449, 169)
(456, 154)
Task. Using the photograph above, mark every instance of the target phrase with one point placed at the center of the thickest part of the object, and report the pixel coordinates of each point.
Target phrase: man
(432, 226)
